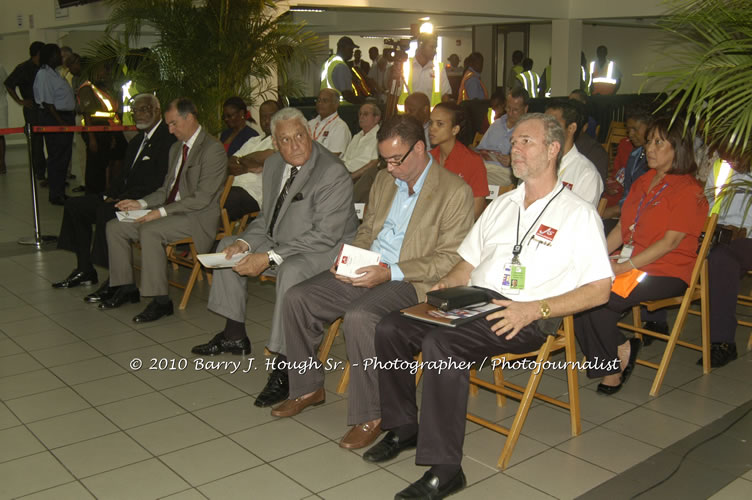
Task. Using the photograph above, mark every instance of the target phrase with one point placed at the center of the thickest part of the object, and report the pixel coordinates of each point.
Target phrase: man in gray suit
(187, 205)
(307, 214)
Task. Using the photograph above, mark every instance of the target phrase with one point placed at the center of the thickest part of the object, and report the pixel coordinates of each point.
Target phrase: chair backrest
(616, 132)
(226, 191)
(702, 253)
(602, 206)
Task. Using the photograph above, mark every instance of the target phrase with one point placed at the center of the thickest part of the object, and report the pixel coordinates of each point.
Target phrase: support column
(483, 42)
(566, 45)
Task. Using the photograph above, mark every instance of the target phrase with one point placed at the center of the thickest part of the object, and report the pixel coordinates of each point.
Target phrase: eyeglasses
(396, 163)
(142, 109)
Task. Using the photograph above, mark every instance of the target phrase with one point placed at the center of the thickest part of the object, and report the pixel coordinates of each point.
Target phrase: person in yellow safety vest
(423, 73)
(336, 74)
(544, 87)
(529, 79)
(517, 57)
(584, 74)
(604, 78)
(471, 86)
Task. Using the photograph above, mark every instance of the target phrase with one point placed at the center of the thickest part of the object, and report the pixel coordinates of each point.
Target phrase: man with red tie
(186, 205)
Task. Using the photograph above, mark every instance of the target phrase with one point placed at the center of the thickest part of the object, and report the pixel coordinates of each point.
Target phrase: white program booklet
(351, 258)
(217, 260)
(130, 215)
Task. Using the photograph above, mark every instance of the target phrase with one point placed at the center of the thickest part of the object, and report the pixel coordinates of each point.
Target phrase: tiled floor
(77, 421)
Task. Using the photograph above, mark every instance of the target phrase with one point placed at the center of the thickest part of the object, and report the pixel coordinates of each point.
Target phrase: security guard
(423, 73)
(604, 76)
(336, 74)
(529, 79)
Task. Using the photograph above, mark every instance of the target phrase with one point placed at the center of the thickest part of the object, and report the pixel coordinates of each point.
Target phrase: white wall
(540, 46)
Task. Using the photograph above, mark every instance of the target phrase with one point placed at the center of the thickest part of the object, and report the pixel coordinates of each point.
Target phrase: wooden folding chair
(476, 140)
(563, 340)
(192, 263)
(697, 290)
(602, 206)
(616, 132)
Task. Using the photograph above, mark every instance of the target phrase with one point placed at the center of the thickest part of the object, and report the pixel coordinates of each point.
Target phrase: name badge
(493, 192)
(626, 253)
(359, 209)
(513, 279)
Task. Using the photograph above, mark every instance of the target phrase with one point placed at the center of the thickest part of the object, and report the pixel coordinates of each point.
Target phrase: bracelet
(632, 264)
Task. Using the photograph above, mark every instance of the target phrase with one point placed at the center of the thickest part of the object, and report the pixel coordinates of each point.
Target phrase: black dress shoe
(653, 326)
(276, 390)
(389, 447)
(103, 293)
(220, 344)
(428, 487)
(76, 278)
(153, 312)
(721, 353)
(58, 200)
(120, 297)
(79, 189)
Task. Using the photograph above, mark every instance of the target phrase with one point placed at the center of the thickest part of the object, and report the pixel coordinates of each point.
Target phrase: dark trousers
(97, 161)
(239, 203)
(59, 151)
(727, 263)
(596, 329)
(31, 116)
(79, 215)
(444, 399)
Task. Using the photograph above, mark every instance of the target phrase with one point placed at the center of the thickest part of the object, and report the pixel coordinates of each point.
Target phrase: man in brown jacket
(417, 216)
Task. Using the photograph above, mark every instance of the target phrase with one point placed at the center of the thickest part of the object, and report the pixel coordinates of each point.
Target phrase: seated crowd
(429, 219)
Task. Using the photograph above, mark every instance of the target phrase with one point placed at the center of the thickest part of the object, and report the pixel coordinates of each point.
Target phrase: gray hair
(374, 107)
(552, 131)
(152, 100)
(286, 114)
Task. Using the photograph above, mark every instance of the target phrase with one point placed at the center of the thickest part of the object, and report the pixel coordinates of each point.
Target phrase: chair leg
(637, 320)
(524, 408)
(671, 345)
(473, 387)
(705, 317)
(344, 380)
(498, 375)
(572, 384)
(195, 272)
(419, 359)
(326, 344)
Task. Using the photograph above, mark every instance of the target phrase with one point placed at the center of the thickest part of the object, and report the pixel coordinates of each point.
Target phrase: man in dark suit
(144, 171)
(307, 214)
(186, 205)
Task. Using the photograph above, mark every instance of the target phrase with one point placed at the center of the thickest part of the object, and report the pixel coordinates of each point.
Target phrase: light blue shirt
(473, 86)
(497, 138)
(389, 241)
(53, 89)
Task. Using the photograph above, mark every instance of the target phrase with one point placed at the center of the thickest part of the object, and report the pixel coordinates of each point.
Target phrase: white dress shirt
(361, 150)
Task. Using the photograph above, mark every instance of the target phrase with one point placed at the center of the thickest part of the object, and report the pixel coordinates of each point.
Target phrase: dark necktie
(176, 186)
(281, 198)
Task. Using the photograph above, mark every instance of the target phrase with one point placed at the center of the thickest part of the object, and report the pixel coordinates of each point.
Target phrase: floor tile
(329, 419)
(140, 410)
(46, 404)
(124, 341)
(45, 340)
(498, 484)
(406, 469)
(69, 491)
(312, 468)
(147, 479)
(17, 442)
(30, 474)
(163, 333)
(651, 427)
(599, 408)
(740, 488)
(62, 355)
(85, 371)
(9, 346)
(234, 416)
(72, 428)
(203, 393)
(20, 313)
(371, 486)
(100, 454)
(689, 407)
(549, 425)
(28, 383)
(190, 494)
(107, 390)
(6, 417)
(485, 446)
(210, 461)
(279, 438)
(263, 481)
(35, 324)
(608, 449)
(565, 476)
(172, 434)
(720, 388)
(18, 363)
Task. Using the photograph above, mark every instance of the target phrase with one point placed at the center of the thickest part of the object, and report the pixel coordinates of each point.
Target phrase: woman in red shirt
(451, 154)
(658, 231)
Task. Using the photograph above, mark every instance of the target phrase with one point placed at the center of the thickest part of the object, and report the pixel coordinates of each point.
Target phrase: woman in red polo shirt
(451, 154)
(660, 224)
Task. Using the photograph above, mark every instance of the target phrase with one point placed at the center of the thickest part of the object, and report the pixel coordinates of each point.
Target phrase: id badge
(513, 278)
(626, 253)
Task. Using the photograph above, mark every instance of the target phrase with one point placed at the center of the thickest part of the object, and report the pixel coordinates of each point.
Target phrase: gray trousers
(321, 300)
(153, 236)
(229, 290)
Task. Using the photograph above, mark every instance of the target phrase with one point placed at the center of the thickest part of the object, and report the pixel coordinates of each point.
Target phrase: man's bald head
(418, 105)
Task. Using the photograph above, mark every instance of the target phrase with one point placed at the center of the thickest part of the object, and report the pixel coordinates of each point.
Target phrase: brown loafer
(360, 436)
(294, 406)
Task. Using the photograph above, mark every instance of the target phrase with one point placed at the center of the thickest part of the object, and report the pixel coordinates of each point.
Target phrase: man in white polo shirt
(546, 233)
(362, 153)
(576, 172)
(328, 129)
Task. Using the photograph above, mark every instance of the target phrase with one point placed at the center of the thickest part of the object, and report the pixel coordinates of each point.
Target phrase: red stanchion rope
(59, 128)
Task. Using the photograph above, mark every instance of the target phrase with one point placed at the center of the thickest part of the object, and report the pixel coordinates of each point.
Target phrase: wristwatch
(545, 310)
(272, 262)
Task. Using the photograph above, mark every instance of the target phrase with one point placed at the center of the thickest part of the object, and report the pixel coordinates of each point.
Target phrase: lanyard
(639, 210)
(517, 244)
(316, 129)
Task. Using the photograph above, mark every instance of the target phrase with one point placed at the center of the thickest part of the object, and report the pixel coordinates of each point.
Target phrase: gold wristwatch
(545, 310)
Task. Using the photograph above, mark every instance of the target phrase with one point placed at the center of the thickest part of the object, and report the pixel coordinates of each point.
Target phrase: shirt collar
(518, 196)
(153, 129)
(190, 141)
(402, 185)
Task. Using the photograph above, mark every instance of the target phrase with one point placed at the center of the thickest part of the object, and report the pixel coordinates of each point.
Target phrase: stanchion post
(38, 239)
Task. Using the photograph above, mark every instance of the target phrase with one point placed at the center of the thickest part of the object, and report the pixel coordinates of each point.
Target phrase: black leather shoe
(653, 326)
(77, 278)
(220, 344)
(103, 293)
(428, 487)
(276, 390)
(721, 353)
(58, 200)
(634, 347)
(153, 312)
(389, 447)
(119, 298)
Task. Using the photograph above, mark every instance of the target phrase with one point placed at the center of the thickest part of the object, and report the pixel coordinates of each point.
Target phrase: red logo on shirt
(546, 232)
(568, 185)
